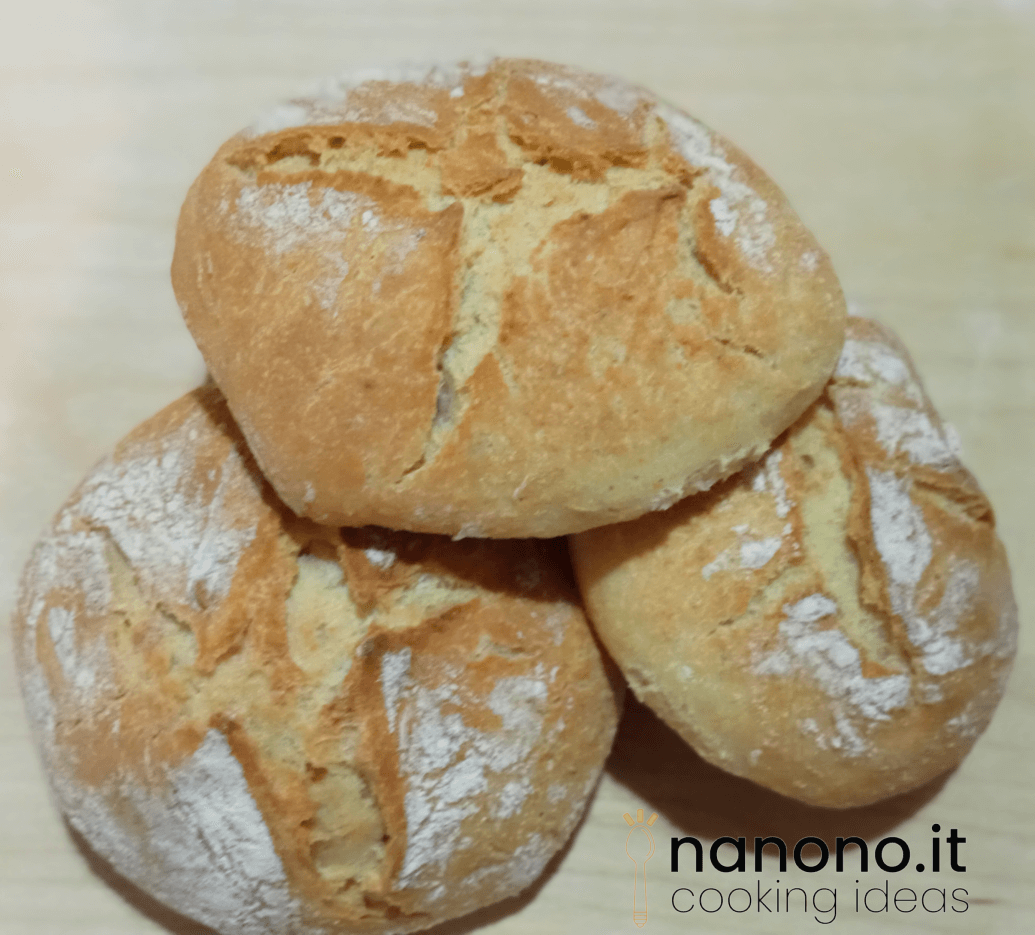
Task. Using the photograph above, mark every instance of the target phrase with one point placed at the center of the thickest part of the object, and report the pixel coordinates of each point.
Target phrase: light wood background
(902, 130)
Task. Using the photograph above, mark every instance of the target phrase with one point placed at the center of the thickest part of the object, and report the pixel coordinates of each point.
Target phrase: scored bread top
(837, 622)
(500, 300)
(278, 727)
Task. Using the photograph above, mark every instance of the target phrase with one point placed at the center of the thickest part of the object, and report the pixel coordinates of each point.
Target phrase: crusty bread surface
(507, 299)
(837, 622)
(278, 728)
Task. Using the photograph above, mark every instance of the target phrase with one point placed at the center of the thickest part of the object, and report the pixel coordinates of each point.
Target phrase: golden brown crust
(427, 298)
(279, 727)
(837, 622)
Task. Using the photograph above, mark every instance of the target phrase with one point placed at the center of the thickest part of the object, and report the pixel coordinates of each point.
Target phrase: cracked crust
(277, 727)
(836, 623)
(428, 298)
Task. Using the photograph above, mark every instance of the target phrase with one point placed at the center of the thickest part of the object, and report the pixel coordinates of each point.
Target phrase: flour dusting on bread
(210, 678)
(203, 834)
(182, 540)
(738, 211)
(863, 659)
(446, 762)
(467, 331)
(289, 215)
(827, 656)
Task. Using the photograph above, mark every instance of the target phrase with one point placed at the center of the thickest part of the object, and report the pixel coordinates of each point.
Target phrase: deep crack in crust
(425, 301)
(278, 727)
(837, 622)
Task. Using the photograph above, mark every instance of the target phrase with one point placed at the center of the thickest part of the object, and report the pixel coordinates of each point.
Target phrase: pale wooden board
(904, 132)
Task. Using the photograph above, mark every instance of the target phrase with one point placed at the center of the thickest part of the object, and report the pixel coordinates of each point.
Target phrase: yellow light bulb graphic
(639, 845)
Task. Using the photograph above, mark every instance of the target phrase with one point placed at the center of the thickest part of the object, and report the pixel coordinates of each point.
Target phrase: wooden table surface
(904, 133)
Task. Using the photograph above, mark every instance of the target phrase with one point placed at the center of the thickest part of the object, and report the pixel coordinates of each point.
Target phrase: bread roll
(512, 299)
(836, 623)
(278, 728)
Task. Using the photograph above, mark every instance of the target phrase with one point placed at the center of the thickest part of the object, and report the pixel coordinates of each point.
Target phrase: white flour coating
(39, 702)
(204, 849)
(86, 668)
(756, 553)
(809, 261)
(71, 558)
(906, 548)
(446, 763)
(769, 479)
(725, 217)
(666, 497)
(899, 529)
(953, 440)
(395, 668)
(1003, 644)
(912, 432)
(404, 242)
(868, 362)
(836, 665)
(901, 536)
(971, 721)
(512, 798)
(620, 96)
(440, 75)
(333, 102)
(518, 701)
(281, 117)
(380, 558)
(180, 543)
(557, 729)
(738, 211)
(578, 116)
(469, 531)
(930, 692)
(614, 93)
(751, 553)
(810, 725)
(287, 216)
(847, 738)
(522, 867)
(557, 623)
(61, 626)
(557, 792)
(326, 288)
(908, 430)
(942, 652)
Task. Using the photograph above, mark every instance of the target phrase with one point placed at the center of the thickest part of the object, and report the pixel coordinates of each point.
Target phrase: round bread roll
(278, 728)
(429, 293)
(836, 623)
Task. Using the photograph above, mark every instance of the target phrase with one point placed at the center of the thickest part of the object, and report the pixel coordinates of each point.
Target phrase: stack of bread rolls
(305, 654)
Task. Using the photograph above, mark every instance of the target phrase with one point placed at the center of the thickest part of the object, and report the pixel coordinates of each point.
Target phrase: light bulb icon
(639, 845)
